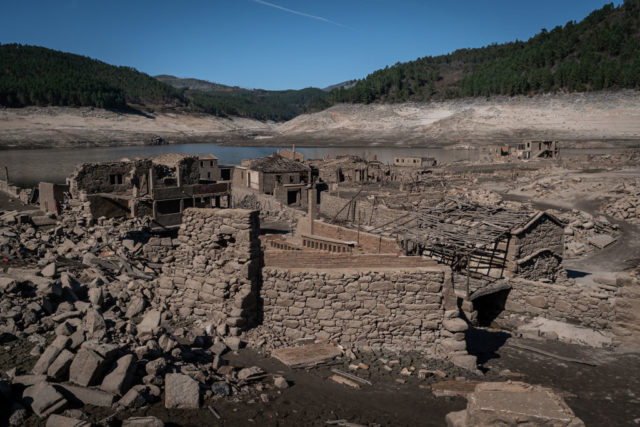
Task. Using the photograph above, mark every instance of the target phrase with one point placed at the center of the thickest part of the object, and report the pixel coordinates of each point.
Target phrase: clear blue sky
(276, 44)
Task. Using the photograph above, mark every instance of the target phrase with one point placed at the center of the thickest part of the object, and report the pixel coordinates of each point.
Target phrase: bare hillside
(65, 126)
(602, 116)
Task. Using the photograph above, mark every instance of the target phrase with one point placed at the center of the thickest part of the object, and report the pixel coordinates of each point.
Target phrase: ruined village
(292, 291)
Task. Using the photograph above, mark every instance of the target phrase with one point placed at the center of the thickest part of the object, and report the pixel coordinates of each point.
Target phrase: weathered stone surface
(280, 382)
(28, 380)
(59, 369)
(86, 368)
(537, 301)
(308, 354)
(455, 325)
(49, 270)
(465, 361)
(61, 421)
(94, 324)
(181, 391)
(515, 403)
(50, 354)
(119, 379)
(134, 398)
(44, 399)
(150, 321)
(89, 396)
(135, 307)
(143, 422)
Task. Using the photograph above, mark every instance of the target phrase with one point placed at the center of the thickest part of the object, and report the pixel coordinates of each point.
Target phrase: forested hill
(32, 75)
(600, 52)
(218, 99)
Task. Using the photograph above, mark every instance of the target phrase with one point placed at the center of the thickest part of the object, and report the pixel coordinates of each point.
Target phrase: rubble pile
(585, 233)
(624, 202)
(86, 311)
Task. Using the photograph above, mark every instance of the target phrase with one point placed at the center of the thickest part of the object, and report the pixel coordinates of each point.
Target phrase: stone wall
(214, 272)
(399, 308)
(586, 305)
(535, 251)
(626, 308)
(270, 208)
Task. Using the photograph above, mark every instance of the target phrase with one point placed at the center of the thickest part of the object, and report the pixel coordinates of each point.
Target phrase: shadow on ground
(484, 344)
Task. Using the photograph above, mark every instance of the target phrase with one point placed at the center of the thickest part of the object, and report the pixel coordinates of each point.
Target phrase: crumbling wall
(50, 195)
(544, 265)
(543, 234)
(586, 305)
(404, 308)
(215, 270)
(96, 177)
(626, 310)
(270, 208)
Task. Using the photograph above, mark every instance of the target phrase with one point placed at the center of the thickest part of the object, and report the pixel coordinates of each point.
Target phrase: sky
(276, 44)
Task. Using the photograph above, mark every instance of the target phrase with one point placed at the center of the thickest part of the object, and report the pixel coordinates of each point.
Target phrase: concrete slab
(601, 241)
(306, 355)
(518, 403)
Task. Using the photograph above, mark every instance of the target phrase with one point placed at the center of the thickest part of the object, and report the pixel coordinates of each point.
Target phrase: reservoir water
(28, 167)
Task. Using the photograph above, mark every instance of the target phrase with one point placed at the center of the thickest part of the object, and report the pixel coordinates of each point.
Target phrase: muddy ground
(607, 394)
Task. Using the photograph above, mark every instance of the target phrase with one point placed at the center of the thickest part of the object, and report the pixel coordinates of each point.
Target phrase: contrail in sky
(295, 12)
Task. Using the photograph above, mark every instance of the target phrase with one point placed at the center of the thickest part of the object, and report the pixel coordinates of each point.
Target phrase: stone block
(50, 354)
(119, 379)
(181, 391)
(89, 396)
(59, 369)
(44, 399)
(55, 420)
(537, 301)
(149, 323)
(455, 325)
(86, 368)
(148, 421)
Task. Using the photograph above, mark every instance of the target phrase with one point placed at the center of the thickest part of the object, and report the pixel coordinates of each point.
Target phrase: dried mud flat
(588, 119)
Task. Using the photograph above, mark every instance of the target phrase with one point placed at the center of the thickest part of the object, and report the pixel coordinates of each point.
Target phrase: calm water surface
(28, 167)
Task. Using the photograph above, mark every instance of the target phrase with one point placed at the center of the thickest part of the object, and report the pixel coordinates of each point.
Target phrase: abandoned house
(416, 162)
(349, 169)
(484, 242)
(274, 175)
(212, 171)
(161, 188)
(531, 150)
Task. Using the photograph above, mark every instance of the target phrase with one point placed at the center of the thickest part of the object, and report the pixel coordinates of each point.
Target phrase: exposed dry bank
(597, 118)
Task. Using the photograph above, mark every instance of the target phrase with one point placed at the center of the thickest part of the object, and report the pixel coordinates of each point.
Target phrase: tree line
(600, 52)
(32, 75)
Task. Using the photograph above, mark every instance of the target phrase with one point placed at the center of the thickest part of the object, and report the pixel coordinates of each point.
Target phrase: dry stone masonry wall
(215, 270)
(405, 309)
(590, 306)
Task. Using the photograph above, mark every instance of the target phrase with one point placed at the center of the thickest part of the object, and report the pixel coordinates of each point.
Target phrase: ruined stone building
(212, 171)
(378, 299)
(349, 170)
(416, 162)
(531, 150)
(160, 188)
(275, 175)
